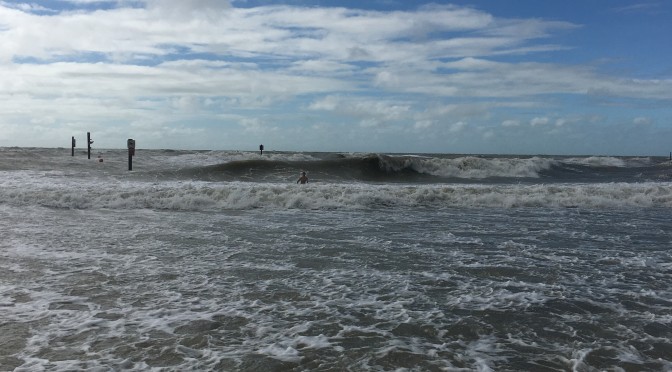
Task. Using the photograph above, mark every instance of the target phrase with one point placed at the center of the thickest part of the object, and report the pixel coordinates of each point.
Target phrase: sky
(552, 77)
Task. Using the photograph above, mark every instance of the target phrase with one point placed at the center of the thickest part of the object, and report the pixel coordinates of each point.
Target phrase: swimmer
(303, 179)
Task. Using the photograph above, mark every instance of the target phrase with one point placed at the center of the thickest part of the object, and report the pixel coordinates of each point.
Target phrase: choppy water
(219, 261)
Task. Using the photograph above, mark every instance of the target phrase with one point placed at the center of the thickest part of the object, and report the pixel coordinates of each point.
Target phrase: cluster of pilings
(130, 144)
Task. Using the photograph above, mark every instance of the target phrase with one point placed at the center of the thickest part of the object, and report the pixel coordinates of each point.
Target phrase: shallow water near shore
(105, 269)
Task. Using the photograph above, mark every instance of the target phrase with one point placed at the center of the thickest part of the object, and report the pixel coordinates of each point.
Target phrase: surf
(237, 195)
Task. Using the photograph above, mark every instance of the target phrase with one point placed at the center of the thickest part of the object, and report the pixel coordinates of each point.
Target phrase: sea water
(218, 260)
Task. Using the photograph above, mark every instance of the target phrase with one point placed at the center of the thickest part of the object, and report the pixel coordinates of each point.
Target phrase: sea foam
(195, 195)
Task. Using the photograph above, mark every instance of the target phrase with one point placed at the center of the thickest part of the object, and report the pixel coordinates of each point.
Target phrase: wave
(480, 168)
(228, 166)
(372, 168)
(245, 195)
(379, 168)
(597, 161)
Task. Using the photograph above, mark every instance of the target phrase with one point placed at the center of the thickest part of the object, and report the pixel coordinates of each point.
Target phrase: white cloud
(329, 103)
(457, 127)
(253, 124)
(642, 121)
(479, 78)
(370, 123)
(187, 5)
(371, 110)
(510, 123)
(423, 124)
(538, 121)
(651, 7)
(337, 34)
(321, 40)
(187, 104)
(322, 67)
(25, 7)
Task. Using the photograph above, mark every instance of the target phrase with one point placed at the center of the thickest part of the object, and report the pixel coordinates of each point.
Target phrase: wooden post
(73, 145)
(88, 143)
(130, 143)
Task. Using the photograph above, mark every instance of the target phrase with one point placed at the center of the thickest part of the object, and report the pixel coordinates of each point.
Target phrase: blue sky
(491, 76)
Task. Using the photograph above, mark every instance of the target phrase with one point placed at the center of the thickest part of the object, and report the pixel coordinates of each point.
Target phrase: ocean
(220, 261)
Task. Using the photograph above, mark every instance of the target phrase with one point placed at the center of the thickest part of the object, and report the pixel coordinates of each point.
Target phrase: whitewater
(219, 260)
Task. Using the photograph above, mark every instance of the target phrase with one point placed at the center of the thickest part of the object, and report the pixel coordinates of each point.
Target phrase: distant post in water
(89, 142)
(74, 143)
(130, 143)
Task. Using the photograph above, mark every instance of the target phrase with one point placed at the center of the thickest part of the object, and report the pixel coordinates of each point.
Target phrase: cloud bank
(204, 73)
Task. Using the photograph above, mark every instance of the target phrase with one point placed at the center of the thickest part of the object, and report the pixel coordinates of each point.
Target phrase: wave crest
(243, 196)
(479, 168)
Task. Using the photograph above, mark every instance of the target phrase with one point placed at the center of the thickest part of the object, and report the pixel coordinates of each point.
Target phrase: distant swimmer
(261, 149)
(303, 179)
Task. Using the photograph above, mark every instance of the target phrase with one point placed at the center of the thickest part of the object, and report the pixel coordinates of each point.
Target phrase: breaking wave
(244, 195)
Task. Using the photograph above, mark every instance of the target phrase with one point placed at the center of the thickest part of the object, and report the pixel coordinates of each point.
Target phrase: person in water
(303, 179)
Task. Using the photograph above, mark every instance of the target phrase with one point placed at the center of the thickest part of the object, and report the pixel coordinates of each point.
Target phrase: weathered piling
(89, 142)
(130, 143)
